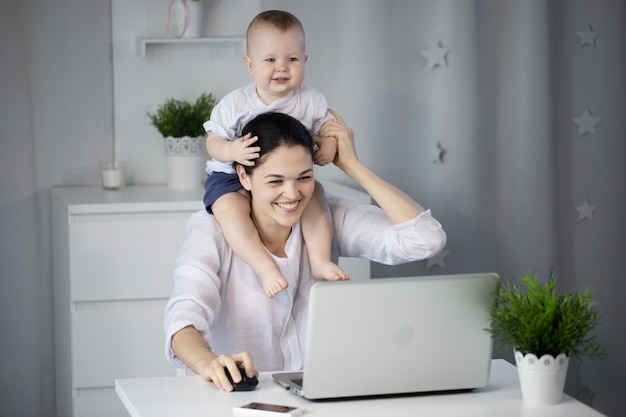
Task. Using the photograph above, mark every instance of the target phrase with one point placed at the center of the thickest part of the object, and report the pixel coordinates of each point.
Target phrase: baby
(275, 59)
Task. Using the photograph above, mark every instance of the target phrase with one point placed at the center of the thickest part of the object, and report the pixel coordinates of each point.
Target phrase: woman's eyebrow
(274, 176)
(279, 176)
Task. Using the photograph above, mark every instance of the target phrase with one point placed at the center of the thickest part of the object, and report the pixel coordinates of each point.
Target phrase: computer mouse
(246, 383)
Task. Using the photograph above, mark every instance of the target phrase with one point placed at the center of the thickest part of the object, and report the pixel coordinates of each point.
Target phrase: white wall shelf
(144, 42)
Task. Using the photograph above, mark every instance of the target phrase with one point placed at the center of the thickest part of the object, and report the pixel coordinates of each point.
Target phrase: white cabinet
(113, 260)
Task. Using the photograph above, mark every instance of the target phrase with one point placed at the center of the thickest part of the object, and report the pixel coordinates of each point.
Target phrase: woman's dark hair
(275, 130)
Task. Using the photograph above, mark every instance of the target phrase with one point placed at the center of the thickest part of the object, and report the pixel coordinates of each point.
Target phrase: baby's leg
(317, 230)
(232, 211)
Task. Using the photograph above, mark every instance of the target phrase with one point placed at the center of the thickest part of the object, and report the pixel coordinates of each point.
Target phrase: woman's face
(281, 187)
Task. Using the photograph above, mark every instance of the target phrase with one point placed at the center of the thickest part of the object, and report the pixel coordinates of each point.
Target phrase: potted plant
(180, 123)
(545, 328)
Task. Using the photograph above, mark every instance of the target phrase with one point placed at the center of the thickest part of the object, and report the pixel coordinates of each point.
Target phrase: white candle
(113, 175)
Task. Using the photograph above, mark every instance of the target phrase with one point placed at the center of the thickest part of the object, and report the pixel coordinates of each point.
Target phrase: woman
(219, 316)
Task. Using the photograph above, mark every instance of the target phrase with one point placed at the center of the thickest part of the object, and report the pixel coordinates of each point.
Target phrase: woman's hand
(215, 369)
(346, 153)
(327, 149)
(189, 346)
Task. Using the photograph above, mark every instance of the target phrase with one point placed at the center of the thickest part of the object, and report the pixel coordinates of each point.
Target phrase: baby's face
(276, 61)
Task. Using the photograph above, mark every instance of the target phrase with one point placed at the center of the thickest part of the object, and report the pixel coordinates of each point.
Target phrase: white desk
(190, 396)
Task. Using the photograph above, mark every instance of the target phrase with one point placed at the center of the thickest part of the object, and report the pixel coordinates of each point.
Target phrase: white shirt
(220, 295)
(238, 107)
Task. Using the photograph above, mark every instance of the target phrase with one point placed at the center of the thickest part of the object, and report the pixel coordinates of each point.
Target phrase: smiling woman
(219, 315)
(282, 177)
(282, 194)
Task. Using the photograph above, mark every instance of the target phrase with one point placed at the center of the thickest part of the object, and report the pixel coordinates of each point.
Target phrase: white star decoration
(585, 211)
(436, 56)
(586, 123)
(587, 37)
(438, 260)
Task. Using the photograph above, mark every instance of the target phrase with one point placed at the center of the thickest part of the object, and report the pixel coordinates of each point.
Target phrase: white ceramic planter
(185, 18)
(542, 379)
(185, 159)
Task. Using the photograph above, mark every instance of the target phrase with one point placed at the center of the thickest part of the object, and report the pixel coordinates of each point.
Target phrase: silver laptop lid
(398, 335)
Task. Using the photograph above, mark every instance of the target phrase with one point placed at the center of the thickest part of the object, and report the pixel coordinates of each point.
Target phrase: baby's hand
(240, 150)
(327, 150)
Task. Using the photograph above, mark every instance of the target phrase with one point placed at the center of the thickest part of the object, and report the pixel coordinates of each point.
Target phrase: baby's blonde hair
(278, 19)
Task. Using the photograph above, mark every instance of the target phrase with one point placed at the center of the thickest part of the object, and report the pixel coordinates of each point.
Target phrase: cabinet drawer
(118, 340)
(124, 256)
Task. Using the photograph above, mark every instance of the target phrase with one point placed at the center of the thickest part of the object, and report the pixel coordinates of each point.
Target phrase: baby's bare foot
(328, 271)
(273, 286)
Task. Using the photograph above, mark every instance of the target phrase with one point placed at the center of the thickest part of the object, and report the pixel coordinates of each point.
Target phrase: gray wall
(55, 125)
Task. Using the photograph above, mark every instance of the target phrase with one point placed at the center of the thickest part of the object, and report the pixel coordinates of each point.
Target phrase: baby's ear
(248, 62)
(244, 179)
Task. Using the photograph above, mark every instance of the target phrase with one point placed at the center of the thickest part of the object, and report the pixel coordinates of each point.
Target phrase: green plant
(178, 118)
(536, 318)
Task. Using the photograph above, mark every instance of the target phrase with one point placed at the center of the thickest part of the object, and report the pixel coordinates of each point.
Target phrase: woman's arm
(396, 204)
(189, 346)
(194, 302)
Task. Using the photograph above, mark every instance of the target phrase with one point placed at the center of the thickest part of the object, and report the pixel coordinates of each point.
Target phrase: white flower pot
(542, 379)
(185, 18)
(185, 159)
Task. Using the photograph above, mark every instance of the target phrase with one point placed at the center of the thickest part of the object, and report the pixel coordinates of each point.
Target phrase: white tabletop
(190, 396)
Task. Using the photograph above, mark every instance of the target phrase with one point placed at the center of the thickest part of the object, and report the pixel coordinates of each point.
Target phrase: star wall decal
(585, 210)
(438, 260)
(436, 56)
(586, 123)
(587, 37)
(439, 154)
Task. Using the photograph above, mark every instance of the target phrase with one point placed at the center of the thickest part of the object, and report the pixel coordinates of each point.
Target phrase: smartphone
(267, 410)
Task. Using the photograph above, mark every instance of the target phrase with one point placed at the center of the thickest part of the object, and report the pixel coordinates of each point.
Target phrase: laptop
(393, 336)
